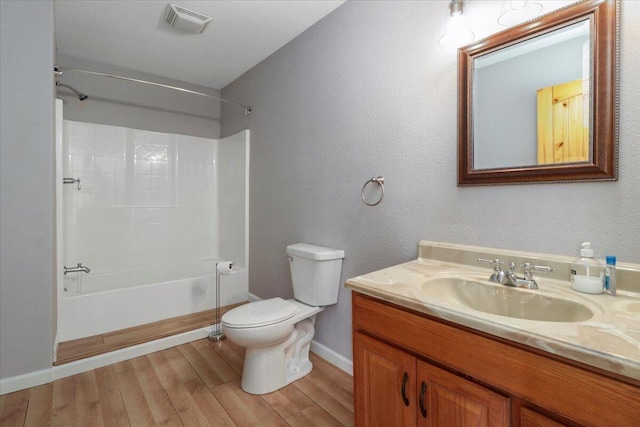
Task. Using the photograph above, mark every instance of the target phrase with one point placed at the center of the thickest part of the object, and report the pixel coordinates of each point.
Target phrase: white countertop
(610, 340)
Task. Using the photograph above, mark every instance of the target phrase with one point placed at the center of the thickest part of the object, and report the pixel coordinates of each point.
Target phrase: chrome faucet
(498, 274)
(77, 269)
(510, 278)
(520, 282)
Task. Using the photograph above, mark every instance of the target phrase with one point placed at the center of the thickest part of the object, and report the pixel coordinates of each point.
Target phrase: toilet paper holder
(222, 268)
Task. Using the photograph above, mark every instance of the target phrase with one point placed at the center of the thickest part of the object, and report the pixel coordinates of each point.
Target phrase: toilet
(277, 333)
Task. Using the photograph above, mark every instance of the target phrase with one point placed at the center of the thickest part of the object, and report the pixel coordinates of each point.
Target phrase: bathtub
(97, 303)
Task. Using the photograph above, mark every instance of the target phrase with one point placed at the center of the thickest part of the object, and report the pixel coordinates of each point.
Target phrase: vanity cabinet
(412, 369)
(398, 389)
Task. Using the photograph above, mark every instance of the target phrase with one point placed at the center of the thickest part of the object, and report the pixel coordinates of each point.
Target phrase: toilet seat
(260, 313)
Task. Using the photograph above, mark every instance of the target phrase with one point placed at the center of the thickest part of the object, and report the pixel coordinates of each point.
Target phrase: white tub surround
(150, 216)
(146, 199)
(610, 340)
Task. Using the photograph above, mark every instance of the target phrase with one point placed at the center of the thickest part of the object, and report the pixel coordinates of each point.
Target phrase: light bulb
(457, 31)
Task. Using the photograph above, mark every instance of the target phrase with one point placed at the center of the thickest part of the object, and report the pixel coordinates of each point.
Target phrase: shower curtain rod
(247, 108)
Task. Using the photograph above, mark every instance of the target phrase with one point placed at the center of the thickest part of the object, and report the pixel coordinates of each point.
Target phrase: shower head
(81, 96)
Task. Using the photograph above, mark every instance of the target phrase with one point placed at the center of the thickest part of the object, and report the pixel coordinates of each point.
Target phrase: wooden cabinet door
(385, 384)
(451, 401)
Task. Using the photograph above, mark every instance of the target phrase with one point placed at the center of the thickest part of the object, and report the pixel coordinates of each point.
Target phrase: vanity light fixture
(515, 12)
(457, 31)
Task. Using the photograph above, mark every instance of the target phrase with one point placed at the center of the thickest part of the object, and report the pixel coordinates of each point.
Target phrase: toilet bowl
(277, 352)
(277, 333)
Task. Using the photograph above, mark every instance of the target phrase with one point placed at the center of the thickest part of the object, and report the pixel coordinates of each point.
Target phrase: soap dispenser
(587, 272)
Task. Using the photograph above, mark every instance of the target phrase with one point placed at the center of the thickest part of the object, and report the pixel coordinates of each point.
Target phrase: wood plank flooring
(194, 384)
(70, 351)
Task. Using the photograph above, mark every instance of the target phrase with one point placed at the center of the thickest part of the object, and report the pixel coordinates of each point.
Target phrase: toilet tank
(315, 273)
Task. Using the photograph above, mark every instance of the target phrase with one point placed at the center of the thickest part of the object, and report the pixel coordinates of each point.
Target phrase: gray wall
(365, 92)
(26, 187)
(134, 105)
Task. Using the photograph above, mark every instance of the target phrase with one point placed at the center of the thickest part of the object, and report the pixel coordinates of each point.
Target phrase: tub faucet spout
(77, 269)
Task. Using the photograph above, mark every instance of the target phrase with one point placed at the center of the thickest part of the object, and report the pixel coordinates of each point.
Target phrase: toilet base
(269, 369)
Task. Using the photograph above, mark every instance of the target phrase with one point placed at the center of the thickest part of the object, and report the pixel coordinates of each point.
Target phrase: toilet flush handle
(290, 258)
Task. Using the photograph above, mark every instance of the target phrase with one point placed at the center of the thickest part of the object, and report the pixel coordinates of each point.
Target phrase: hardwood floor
(194, 384)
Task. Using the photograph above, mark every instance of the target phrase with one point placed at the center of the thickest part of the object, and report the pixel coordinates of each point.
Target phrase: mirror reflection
(532, 103)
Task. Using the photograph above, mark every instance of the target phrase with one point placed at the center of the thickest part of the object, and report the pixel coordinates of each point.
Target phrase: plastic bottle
(586, 272)
(610, 284)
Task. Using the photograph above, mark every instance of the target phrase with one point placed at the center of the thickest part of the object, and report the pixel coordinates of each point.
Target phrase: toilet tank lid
(308, 251)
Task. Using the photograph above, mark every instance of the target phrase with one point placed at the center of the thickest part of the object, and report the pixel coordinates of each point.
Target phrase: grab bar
(71, 181)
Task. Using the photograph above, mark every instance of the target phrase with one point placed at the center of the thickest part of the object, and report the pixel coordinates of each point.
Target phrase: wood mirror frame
(603, 165)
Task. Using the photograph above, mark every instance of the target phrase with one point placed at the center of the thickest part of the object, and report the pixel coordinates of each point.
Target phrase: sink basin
(504, 300)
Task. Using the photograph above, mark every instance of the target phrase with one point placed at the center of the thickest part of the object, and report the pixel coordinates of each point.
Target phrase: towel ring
(378, 180)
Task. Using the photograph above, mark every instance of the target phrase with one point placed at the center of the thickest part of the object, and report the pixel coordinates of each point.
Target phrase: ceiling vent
(186, 20)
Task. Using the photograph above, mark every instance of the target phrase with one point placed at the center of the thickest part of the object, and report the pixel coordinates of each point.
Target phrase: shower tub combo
(154, 214)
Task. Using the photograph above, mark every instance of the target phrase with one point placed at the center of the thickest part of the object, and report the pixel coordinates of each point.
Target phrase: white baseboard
(21, 382)
(336, 359)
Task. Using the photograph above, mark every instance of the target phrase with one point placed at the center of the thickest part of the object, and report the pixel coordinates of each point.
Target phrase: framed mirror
(538, 102)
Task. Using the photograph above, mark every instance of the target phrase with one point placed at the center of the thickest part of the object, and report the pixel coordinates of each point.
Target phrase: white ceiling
(133, 34)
